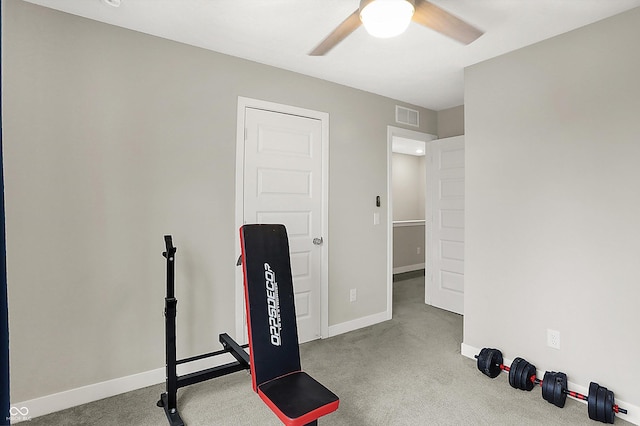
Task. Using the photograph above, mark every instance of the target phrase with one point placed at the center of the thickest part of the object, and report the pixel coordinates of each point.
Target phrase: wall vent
(407, 116)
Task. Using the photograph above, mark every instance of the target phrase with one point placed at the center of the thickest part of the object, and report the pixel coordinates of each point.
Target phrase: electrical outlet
(553, 339)
(352, 295)
(418, 250)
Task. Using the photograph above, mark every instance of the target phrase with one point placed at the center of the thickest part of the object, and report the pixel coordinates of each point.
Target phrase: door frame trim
(243, 104)
(392, 132)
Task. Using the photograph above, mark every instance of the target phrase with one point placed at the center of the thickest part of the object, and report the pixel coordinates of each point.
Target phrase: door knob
(318, 241)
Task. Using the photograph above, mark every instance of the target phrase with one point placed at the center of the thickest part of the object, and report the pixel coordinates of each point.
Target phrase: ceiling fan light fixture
(386, 18)
(112, 3)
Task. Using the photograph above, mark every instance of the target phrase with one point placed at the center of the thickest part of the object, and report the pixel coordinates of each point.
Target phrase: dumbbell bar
(522, 375)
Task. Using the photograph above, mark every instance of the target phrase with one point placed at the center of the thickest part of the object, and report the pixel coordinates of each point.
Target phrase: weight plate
(602, 394)
(552, 388)
(548, 383)
(495, 360)
(560, 395)
(530, 371)
(512, 372)
(482, 360)
(592, 400)
(522, 377)
(522, 366)
(525, 382)
(608, 407)
(489, 361)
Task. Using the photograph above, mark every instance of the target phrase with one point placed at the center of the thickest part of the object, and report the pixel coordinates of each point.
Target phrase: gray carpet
(407, 371)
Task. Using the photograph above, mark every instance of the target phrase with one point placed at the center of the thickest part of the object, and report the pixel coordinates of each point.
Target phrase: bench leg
(313, 423)
(172, 412)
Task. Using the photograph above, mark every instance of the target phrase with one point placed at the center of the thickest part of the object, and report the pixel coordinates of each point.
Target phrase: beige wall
(114, 138)
(451, 122)
(552, 213)
(407, 240)
(408, 180)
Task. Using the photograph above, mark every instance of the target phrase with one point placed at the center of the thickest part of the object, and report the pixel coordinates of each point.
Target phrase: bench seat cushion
(297, 398)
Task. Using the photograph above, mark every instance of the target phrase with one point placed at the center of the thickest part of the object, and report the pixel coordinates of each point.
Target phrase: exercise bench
(274, 359)
(294, 396)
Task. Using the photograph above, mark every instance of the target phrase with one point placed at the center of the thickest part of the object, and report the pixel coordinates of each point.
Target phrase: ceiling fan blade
(347, 26)
(432, 16)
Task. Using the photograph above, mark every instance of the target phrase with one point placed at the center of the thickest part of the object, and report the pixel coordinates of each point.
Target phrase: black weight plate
(553, 386)
(512, 372)
(522, 367)
(496, 362)
(483, 359)
(592, 400)
(524, 375)
(490, 362)
(602, 394)
(561, 390)
(530, 371)
(548, 384)
(608, 407)
(560, 396)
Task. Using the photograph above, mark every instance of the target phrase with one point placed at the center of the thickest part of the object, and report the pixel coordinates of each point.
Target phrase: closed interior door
(445, 226)
(283, 184)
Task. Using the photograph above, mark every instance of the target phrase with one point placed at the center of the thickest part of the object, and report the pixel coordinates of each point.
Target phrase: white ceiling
(420, 67)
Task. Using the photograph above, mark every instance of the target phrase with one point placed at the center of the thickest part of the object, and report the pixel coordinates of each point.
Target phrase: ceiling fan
(376, 16)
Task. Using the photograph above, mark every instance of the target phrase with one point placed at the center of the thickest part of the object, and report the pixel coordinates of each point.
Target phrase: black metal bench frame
(169, 399)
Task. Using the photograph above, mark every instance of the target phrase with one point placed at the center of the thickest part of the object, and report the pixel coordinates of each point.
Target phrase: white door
(283, 184)
(445, 224)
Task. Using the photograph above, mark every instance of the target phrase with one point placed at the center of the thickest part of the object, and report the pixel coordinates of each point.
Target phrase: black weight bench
(294, 396)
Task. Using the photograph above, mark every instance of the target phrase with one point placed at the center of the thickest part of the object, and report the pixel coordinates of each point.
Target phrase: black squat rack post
(168, 399)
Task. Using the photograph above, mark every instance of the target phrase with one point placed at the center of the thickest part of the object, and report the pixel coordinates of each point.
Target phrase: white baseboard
(71, 398)
(60, 401)
(356, 324)
(469, 351)
(408, 268)
(634, 411)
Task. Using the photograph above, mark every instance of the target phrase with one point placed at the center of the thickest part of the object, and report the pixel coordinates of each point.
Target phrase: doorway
(407, 205)
(409, 201)
(282, 177)
(443, 219)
